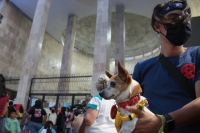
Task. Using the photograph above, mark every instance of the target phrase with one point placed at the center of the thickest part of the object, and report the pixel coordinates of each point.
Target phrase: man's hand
(147, 122)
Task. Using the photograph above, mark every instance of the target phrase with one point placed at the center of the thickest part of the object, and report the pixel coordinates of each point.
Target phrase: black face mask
(178, 34)
(52, 111)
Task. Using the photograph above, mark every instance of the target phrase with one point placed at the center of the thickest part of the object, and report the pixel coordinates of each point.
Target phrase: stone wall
(14, 33)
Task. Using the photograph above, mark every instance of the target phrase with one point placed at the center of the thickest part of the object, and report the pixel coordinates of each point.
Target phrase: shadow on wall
(195, 37)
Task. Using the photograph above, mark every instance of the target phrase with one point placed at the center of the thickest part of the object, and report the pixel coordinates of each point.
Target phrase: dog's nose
(101, 93)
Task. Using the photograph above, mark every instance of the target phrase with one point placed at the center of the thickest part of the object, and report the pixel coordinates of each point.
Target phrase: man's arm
(193, 108)
(44, 119)
(145, 118)
(28, 117)
(90, 116)
(5, 109)
(45, 116)
(31, 111)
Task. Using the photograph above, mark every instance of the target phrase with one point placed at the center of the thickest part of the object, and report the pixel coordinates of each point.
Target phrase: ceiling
(60, 9)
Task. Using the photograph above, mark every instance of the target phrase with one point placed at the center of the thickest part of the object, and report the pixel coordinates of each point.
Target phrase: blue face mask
(178, 34)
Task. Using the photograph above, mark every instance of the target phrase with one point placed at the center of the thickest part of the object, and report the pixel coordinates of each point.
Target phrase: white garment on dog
(103, 123)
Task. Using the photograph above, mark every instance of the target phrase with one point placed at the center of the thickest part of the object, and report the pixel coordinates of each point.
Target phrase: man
(38, 117)
(52, 116)
(172, 22)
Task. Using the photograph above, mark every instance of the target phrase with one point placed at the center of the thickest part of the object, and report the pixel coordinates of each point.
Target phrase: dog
(126, 91)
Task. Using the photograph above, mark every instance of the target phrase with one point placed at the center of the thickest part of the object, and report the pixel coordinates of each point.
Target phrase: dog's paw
(101, 82)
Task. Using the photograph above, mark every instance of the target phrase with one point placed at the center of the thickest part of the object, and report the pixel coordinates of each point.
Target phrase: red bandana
(132, 101)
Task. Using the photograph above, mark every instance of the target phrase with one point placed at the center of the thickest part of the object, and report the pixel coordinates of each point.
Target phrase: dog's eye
(112, 84)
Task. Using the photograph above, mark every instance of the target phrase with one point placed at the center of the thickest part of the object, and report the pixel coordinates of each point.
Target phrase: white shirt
(103, 123)
(52, 117)
(48, 111)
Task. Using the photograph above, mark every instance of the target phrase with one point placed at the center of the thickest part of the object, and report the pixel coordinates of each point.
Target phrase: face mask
(178, 34)
(52, 111)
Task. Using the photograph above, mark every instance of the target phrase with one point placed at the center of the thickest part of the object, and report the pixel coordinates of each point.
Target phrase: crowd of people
(35, 120)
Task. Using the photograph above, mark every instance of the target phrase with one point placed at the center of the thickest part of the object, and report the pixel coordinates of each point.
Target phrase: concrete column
(33, 49)
(119, 36)
(68, 45)
(102, 41)
(67, 52)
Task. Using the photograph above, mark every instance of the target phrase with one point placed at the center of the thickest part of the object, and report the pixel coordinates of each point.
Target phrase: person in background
(4, 99)
(52, 116)
(88, 98)
(10, 107)
(26, 123)
(12, 124)
(20, 114)
(38, 117)
(61, 121)
(166, 96)
(69, 120)
(46, 108)
(47, 128)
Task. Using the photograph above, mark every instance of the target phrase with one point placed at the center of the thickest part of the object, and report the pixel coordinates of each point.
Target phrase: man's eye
(112, 84)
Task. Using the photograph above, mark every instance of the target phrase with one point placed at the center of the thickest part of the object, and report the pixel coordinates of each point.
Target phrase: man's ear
(156, 26)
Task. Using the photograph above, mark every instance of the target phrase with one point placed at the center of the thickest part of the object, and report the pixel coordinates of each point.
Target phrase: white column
(68, 45)
(33, 50)
(119, 36)
(102, 41)
(67, 53)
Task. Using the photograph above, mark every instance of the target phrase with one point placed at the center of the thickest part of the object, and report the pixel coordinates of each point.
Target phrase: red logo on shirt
(37, 112)
(188, 70)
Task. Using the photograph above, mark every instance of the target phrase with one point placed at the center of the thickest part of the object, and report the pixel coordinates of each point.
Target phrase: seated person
(47, 128)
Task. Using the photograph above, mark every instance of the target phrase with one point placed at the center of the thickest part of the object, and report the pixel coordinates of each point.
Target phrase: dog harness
(117, 115)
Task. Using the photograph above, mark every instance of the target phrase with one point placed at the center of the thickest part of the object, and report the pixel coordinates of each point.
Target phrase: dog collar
(131, 102)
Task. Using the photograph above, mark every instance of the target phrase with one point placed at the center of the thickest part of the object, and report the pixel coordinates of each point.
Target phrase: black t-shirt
(37, 114)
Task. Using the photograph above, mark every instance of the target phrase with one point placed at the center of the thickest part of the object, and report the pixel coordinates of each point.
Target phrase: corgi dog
(126, 91)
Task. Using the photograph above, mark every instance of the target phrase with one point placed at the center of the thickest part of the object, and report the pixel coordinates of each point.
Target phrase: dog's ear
(122, 73)
(109, 74)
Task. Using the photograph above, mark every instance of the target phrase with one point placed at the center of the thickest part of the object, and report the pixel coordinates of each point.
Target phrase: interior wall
(14, 33)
